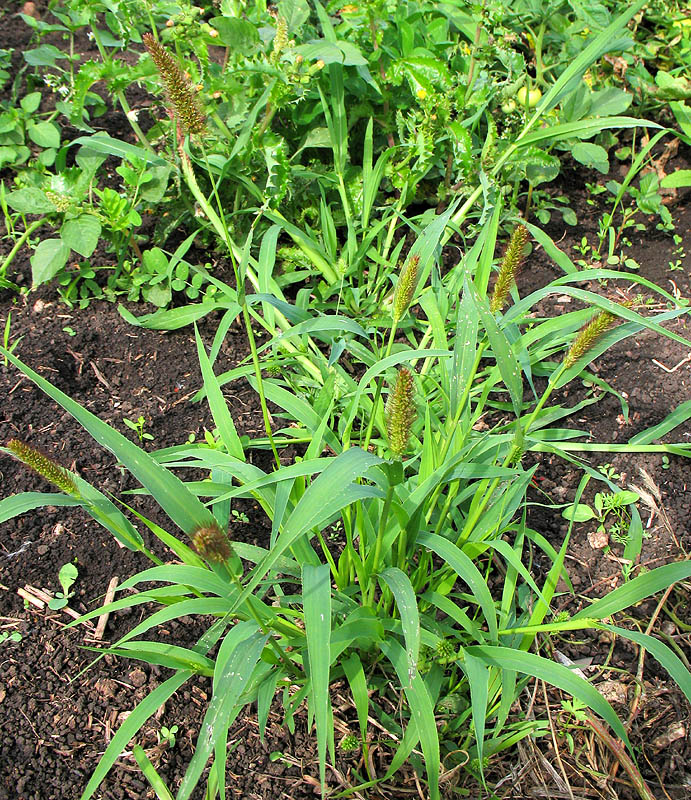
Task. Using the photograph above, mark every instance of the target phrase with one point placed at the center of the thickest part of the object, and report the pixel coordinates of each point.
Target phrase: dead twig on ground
(103, 619)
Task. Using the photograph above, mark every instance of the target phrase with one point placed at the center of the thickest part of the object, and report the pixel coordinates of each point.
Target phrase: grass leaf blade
(316, 598)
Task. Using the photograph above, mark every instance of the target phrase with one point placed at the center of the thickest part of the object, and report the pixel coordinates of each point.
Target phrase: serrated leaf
(610, 102)
(155, 188)
(89, 160)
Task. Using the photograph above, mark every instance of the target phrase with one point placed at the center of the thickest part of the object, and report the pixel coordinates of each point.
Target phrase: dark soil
(55, 721)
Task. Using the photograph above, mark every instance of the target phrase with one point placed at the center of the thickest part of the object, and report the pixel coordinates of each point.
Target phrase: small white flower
(133, 115)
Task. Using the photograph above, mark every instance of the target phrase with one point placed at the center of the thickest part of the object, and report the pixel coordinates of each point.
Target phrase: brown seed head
(212, 543)
(181, 94)
(46, 467)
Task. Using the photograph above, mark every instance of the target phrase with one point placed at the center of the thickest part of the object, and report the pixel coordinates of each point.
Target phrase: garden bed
(54, 722)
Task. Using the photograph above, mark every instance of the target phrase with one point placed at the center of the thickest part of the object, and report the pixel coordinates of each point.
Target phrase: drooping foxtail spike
(405, 287)
(46, 467)
(510, 265)
(212, 543)
(181, 94)
(400, 412)
(589, 335)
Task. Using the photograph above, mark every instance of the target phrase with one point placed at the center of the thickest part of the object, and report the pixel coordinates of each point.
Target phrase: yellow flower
(421, 94)
(349, 9)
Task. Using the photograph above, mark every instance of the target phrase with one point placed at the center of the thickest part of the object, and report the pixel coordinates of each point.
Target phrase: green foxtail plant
(403, 606)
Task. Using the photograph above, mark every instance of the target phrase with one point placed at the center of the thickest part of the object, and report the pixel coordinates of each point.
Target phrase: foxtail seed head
(212, 543)
(181, 94)
(405, 287)
(400, 412)
(46, 467)
(510, 265)
(589, 335)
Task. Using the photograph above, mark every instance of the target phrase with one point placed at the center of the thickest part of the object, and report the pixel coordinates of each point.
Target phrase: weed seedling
(67, 576)
(166, 736)
(678, 254)
(138, 428)
(575, 715)
(609, 471)
(606, 504)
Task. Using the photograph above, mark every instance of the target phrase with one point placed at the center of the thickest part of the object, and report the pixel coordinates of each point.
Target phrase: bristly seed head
(212, 543)
(405, 287)
(510, 266)
(350, 743)
(181, 94)
(444, 651)
(46, 467)
(400, 412)
(588, 336)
